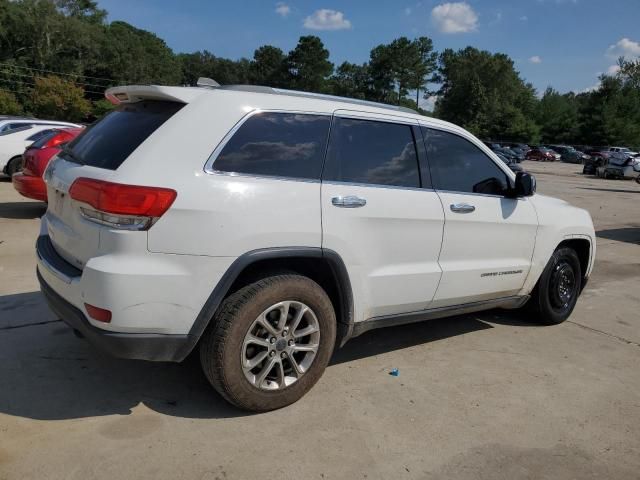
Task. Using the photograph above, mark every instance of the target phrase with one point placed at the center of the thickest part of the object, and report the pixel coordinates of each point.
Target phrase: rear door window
(287, 145)
(109, 142)
(372, 152)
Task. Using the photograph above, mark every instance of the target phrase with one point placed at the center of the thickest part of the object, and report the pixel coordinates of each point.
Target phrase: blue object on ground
(395, 372)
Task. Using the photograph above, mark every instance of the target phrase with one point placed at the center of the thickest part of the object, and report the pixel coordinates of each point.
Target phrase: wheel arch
(582, 247)
(324, 266)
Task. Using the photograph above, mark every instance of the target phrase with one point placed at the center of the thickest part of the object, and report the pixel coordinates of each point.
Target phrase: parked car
(618, 165)
(266, 227)
(36, 157)
(569, 154)
(15, 123)
(540, 154)
(623, 150)
(510, 162)
(596, 159)
(13, 143)
(506, 152)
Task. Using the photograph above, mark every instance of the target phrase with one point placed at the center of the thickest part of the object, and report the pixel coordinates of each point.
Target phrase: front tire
(269, 342)
(556, 293)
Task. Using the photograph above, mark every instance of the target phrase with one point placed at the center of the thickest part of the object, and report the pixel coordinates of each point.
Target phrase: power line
(60, 73)
(4, 72)
(33, 84)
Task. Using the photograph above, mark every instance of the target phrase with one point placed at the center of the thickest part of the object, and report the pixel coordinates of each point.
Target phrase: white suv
(265, 227)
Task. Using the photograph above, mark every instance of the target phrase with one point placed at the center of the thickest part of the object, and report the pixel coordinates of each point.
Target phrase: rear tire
(13, 166)
(251, 327)
(556, 293)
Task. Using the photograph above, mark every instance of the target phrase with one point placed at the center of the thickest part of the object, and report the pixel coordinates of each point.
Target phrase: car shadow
(47, 373)
(22, 210)
(613, 190)
(625, 234)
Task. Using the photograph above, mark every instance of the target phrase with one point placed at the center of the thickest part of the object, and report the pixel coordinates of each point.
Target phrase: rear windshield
(109, 142)
(44, 138)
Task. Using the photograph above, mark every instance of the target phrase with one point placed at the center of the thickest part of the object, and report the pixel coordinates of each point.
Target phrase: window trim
(209, 166)
(482, 149)
(420, 155)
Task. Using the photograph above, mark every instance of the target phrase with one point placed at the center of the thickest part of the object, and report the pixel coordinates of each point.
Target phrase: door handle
(462, 208)
(350, 201)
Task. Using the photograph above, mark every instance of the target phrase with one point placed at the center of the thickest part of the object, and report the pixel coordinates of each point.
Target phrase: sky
(565, 44)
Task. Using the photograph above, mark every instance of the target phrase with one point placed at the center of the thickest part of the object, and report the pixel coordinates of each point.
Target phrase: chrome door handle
(350, 201)
(462, 208)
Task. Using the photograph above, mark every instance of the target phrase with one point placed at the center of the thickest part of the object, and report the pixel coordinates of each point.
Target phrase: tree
(53, 97)
(353, 81)
(425, 68)
(9, 103)
(309, 66)
(269, 67)
(483, 93)
(557, 116)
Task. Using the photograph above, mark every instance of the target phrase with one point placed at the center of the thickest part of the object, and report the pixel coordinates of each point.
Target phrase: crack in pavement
(622, 339)
(14, 327)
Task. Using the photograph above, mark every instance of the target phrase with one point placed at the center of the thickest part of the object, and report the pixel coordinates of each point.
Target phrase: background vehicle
(36, 157)
(569, 154)
(291, 223)
(622, 150)
(15, 123)
(13, 143)
(596, 159)
(510, 162)
(541, 154)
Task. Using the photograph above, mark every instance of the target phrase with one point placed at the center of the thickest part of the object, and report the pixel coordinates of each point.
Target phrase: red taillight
(121, 199)
(99, 314)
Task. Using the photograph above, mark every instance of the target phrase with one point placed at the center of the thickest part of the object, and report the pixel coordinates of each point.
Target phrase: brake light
(122, 206)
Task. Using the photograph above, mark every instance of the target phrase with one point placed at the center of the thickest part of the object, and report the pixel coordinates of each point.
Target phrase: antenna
(207, 82)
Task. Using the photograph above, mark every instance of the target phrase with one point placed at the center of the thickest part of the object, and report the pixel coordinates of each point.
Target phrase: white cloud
(429, 103)
(283, 9)
(625, 47)
(456, 17)
(613, 69)
(535, 59)
(524, 18)
(325, 19)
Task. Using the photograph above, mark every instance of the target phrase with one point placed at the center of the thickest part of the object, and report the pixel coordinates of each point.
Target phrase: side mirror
(525, 184)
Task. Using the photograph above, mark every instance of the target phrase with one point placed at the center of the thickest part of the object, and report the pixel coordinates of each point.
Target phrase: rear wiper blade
(69, 153)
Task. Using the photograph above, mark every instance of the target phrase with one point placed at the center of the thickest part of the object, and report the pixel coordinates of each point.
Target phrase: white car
(266, 227)
(623, 150)
(14, 140)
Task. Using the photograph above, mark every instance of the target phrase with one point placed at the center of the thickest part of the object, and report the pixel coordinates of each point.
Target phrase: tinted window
(277, 144)
(48, 135)
(38, 135)
(109, 142)
(378, 153)
(457, 165)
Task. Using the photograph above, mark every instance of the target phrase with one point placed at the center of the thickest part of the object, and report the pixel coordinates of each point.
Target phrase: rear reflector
(121, 199)
(99, 314)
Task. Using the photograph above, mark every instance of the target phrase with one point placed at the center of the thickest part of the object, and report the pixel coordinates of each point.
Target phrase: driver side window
(457, 165)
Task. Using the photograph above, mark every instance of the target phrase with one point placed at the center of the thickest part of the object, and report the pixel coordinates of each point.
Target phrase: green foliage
(478, 90)
(483, 93)
(53, 97)
(308, 65)
(9, 104)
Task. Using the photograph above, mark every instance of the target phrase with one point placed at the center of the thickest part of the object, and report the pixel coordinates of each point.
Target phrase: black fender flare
(221, 290)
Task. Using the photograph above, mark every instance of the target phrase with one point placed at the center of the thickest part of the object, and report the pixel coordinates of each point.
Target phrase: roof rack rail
(319, 96)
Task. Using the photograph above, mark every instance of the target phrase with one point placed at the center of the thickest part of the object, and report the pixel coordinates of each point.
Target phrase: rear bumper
(140, 346)
(30, 187)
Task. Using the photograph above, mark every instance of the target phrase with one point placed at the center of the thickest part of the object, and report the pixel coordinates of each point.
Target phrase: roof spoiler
(138, 93)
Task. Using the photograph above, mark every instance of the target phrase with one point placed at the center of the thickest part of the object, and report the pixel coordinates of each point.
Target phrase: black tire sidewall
(265, 293)
(549, 314)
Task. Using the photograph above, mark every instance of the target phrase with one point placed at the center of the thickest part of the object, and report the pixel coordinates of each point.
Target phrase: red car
(540, 154)
(29, 182)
